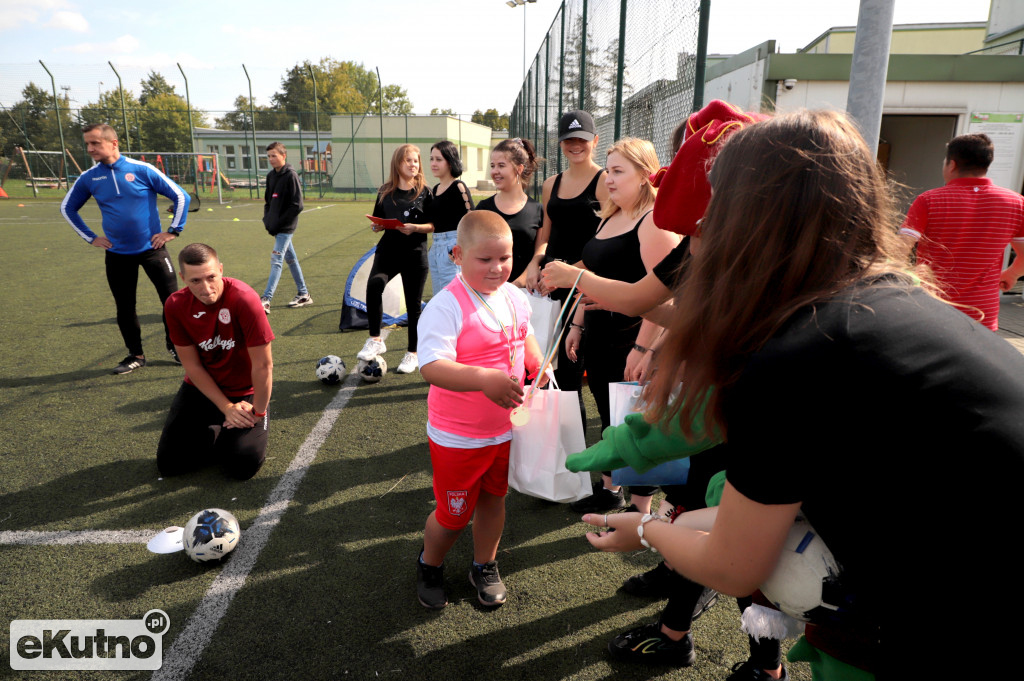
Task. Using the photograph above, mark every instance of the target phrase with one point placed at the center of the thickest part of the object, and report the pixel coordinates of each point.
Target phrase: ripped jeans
(284, 252)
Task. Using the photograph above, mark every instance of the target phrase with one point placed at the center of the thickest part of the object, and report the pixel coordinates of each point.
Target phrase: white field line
(199, 630)
(70, 538)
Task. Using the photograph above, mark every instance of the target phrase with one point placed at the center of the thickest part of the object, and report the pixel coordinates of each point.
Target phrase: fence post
(352, 123)
(191, 129)
(316, 124)
(547, 96)
(583, 60)
(60, 126)
(380, 115)
(702, 55)
(252, 128)
(621, 68)
(124, 114)
(561, 78)
(536, 115)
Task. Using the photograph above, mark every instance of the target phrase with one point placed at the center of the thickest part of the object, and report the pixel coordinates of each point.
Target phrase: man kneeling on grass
(222, 336)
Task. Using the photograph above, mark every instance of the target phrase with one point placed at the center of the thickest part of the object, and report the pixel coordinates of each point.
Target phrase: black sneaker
(430, 585)
(748, 671)
(648, 645)
(707, 600)
(489, 588)
(174, 355)
(601, 501)
(130, 364)
(655, 583)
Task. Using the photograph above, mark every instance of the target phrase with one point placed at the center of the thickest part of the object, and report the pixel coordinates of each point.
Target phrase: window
(229, 149)
(264, 164)
(232, 163)
(213, 148)
(480, 159)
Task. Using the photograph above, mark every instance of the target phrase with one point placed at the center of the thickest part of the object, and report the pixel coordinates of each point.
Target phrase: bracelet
(639, 348)
(577, 326)
(640, 530)
(257, 414)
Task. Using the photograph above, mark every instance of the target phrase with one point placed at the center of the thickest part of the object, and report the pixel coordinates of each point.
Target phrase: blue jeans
(284, 251)
(442, 268)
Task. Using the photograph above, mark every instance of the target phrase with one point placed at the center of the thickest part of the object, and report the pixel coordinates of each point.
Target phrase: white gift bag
(544, 316)
(536, 465)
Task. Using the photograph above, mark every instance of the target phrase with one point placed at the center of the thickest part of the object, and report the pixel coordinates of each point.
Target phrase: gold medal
(519, 416)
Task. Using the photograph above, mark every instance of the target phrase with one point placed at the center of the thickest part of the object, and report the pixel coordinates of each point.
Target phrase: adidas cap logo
(574, 125)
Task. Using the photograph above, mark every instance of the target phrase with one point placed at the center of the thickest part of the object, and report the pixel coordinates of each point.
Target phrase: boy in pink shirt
(475, 347)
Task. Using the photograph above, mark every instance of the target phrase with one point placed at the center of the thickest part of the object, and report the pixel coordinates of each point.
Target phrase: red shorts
(460, 474)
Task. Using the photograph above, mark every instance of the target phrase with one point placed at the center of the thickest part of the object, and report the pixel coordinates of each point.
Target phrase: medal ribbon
(515, 325)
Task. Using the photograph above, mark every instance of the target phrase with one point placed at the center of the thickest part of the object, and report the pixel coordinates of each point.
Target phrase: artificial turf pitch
(332, 594)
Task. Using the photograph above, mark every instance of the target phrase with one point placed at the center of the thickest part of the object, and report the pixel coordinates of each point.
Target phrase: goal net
(197, 173)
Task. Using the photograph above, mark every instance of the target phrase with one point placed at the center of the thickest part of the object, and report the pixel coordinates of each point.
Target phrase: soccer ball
(211, 535)
(806, 582)
(372, 371)
(331, 370)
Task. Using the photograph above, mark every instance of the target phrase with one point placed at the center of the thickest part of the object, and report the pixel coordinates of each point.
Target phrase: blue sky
(462, 54)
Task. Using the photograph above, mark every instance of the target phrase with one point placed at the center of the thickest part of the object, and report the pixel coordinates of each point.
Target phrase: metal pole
(124, 115)
(583, 59)
(352, 122)
(702, 55)
(561, 79)
(869, 67)
(316, 124)
(60, 126)
(191, 129)
(621, 68)
(524, 41)
(252, 128)
(380, 114)
(547, 95)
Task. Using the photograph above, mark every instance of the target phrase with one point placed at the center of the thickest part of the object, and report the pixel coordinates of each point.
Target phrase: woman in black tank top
(626, 247)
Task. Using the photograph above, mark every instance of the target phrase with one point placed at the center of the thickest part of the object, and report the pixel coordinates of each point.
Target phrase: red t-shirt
(962, 230)
(222, 333)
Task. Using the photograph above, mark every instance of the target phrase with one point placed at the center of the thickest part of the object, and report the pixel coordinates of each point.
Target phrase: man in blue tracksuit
(125, 190)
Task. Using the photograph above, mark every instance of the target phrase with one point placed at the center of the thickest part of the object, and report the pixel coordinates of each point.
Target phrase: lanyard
(515, 325)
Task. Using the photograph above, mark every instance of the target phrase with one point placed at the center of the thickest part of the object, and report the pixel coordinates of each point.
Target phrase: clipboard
(386, 223)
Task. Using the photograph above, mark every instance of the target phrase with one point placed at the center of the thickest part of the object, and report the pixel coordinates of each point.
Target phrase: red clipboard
(386, 223)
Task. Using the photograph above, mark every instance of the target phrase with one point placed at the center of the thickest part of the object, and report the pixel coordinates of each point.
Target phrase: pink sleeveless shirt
(471, 414)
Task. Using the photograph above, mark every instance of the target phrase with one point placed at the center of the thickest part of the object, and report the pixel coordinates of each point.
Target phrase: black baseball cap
(577, 124)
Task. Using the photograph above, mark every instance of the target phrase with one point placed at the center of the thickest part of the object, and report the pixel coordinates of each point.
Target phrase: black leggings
(387, 262)
(194, 436)
(123, 279)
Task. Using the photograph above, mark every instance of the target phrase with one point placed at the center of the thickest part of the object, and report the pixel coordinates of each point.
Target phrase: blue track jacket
(126, 193)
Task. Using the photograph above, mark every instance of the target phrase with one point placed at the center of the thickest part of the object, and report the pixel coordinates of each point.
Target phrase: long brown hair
(418, 182)
(800, 211)
(520, 152)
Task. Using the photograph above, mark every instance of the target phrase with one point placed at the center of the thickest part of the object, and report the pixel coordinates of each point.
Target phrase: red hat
(683, 189)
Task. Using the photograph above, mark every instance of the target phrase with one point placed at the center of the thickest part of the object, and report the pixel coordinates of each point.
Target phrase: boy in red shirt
(222, 336)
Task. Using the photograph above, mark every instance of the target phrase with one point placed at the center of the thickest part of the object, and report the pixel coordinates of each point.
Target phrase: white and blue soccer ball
(331, 370)
(806, 583)
(372, 371)
(211, 534)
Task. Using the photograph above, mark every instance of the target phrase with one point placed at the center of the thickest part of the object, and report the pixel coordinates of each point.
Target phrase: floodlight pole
(380, 114)
(316, 125)
(869, 68)
(60, 126)
(191, 130)
(124, 114)
(252, 127)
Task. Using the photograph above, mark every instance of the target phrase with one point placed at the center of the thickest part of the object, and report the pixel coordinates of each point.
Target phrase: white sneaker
(372, 348)
(266, 304)
(301, 301)
(410, 363)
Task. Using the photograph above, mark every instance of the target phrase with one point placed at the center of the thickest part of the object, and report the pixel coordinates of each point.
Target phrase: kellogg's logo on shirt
(130, 177)
(224, 316)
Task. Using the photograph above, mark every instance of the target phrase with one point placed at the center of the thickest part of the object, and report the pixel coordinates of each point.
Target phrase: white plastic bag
(536, 465)
(543, 316)
(623, 399)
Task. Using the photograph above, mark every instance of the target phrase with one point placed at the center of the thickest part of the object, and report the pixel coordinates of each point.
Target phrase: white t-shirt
(438, 330)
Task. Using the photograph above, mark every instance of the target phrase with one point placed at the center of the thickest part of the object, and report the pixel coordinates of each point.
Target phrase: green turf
(332, 594)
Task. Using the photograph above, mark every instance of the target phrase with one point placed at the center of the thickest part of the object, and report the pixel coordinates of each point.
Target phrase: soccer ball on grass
(211, 534)
(372, 371)
(331, 370)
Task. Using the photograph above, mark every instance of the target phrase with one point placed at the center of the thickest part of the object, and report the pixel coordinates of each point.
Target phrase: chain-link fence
(337, 121)
(637, 67)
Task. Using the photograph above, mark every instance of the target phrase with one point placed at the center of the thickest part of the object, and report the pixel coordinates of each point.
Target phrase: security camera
(789, 83)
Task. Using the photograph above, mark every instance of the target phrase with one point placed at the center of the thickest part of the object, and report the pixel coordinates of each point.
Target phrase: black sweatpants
(123, 279)
(194, 436)
(388, 262)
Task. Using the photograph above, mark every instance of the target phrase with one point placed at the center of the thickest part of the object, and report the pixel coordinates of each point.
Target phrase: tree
(107, 109)
(32, 122)
(396, 101)
(154, 84)
(442, 112)
(491, 118)
(267, 118)
(165, 125)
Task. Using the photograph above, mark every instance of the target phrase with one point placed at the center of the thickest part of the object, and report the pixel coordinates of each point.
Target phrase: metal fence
(44, 106)
(637, 67)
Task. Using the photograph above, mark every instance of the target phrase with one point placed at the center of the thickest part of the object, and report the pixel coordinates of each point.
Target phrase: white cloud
(13, 17)
(125, 44)
(70, 21)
